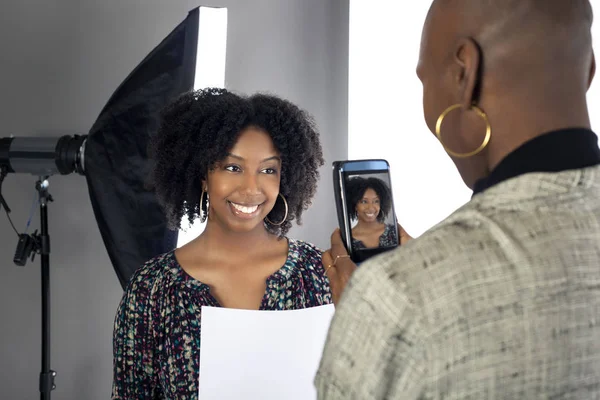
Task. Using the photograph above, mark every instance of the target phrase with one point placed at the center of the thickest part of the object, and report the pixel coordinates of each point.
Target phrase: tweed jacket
(499, 301)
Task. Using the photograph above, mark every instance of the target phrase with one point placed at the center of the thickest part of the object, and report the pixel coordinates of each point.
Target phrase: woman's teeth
(245, 209)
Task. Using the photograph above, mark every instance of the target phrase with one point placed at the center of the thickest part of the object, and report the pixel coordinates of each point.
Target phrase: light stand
(174, 66)
(27, 246)
(47, 375)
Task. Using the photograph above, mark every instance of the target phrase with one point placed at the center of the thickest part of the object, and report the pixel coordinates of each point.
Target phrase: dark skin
(369, 236)
(511, 65)
(510, 59)
(368, 229)
(235, 254)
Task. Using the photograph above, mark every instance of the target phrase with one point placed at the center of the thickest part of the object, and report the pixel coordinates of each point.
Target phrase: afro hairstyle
(356, 188)
(199, 128)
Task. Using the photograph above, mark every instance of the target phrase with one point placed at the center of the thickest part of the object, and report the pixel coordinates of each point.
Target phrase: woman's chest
(176, 333)
(178, 328)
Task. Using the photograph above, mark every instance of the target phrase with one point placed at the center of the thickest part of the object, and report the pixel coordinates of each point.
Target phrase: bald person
(502, 299)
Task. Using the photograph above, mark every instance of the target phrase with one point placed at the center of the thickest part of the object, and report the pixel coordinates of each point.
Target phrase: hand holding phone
(338, 267)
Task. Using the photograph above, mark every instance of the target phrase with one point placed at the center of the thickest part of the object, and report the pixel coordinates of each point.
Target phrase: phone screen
(368, 216)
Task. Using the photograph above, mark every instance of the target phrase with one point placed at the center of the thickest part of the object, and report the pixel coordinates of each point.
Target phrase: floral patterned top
(387, 239)
(156, 340)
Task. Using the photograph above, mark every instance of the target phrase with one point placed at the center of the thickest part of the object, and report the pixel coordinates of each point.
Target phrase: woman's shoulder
(304, 253)
(305, 262)
(454, 241)
(153, 270)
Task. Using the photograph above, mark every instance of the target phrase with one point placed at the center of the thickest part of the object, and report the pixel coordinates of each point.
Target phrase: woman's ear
(592, 70)
(467, 60)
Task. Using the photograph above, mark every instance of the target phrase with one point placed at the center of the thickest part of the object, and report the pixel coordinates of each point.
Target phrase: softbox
(131, 222)
(113, 157)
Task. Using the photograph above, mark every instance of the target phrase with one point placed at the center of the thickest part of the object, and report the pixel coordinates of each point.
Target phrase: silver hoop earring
(284, 217)
(203, 213)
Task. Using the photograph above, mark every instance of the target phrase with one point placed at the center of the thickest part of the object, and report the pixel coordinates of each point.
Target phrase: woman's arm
(338, 266)
(404, 237)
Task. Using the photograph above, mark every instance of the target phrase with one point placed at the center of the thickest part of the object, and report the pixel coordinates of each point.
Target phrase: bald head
(492, 17)
(526, 63)
(521, 33)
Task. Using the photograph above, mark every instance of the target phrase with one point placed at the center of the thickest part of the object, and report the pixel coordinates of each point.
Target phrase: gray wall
(61, 60)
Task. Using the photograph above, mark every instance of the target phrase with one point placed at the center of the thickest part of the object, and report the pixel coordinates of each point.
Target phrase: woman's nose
(250, 184)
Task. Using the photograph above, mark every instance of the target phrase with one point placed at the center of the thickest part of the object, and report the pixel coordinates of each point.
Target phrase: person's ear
(467, 71)
(592, 70)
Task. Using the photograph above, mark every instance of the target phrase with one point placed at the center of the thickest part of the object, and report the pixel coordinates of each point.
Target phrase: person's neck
(368, 225)
(222, 241)
(531, 121)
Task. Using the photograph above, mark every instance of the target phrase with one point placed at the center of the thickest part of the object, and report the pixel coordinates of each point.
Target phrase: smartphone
(365, 207)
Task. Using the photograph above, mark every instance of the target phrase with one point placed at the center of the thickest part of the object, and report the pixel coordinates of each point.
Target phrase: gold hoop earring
(284, 217)
(486, 139)
(203, 214)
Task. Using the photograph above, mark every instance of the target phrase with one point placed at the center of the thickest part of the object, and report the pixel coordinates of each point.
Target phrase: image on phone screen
(365, 207)
(370, 211)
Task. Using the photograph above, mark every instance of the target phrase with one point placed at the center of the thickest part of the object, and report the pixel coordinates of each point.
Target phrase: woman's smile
(245, 211)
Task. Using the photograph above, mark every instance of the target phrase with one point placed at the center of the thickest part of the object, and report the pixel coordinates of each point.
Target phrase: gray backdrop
(61, 60)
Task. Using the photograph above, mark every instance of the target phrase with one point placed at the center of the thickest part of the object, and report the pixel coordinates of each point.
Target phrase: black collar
(556, 151)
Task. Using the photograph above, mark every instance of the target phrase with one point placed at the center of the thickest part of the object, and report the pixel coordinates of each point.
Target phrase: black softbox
(132, 223)
(113, 157)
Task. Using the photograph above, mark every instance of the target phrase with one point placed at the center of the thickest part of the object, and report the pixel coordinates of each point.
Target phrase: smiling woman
(369, 204)
(252, 165)
(248, 166)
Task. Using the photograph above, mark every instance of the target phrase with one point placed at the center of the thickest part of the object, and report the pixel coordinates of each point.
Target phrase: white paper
(264, 355)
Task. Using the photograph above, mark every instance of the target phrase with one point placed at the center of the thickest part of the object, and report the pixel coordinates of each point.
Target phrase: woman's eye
(269, 171)
(233, 168)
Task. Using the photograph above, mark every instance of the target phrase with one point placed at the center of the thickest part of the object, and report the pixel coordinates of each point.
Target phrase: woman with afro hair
(248, 166)
(369, 204)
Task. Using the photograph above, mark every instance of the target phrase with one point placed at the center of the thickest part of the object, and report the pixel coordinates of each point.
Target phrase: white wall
(386, 116)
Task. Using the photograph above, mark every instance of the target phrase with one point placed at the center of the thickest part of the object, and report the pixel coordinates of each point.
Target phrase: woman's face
(243, 188)
(368, 206)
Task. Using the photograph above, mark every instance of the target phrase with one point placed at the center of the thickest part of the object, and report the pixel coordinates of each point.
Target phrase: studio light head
(43, 156)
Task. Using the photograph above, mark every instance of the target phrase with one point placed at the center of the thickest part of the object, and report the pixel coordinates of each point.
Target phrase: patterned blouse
(387, 239)
(156, 341)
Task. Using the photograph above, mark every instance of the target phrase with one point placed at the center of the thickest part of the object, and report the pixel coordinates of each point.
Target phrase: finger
(336, 237)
